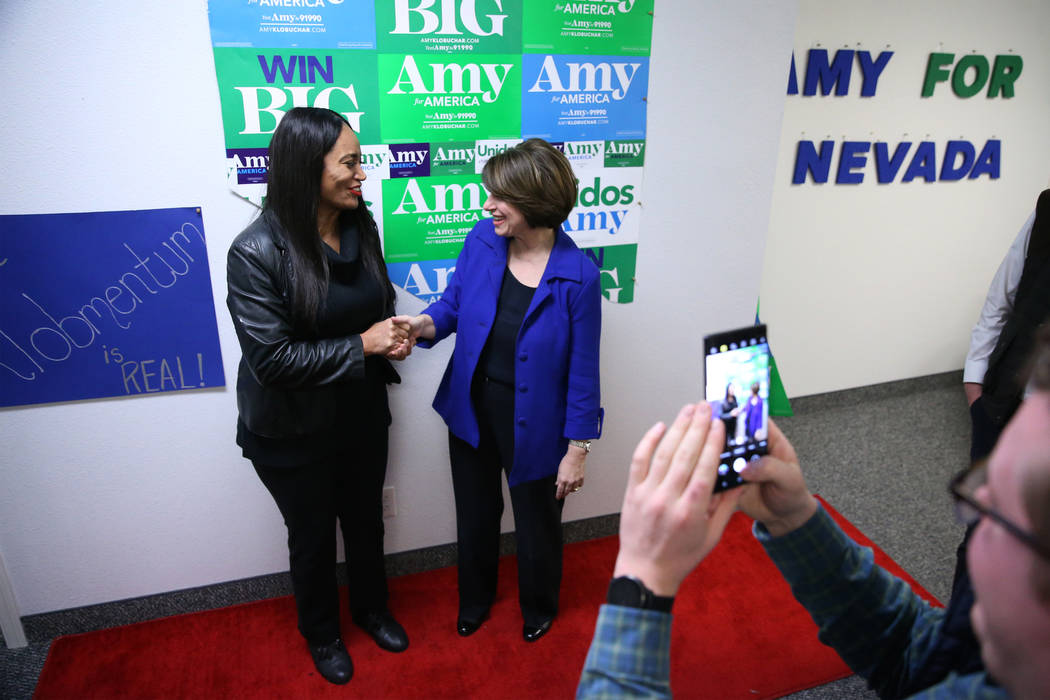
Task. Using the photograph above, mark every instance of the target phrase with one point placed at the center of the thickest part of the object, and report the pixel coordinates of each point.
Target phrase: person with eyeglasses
(883, 630)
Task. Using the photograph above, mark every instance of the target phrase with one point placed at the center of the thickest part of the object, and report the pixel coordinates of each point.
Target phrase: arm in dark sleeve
(263, 323)
(881, 628)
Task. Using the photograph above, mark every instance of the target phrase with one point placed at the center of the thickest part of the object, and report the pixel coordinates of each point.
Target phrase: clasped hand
(389, 337)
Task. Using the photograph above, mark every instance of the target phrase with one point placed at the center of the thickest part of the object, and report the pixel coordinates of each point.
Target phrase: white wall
(116, 108)
(873, 282)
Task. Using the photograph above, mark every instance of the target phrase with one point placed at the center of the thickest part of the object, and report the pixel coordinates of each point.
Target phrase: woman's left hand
(570, 472)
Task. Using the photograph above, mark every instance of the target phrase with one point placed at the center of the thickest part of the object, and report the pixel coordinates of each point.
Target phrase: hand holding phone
(736, 380)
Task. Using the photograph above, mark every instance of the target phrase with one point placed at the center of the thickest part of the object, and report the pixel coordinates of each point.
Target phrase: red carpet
(738, 633)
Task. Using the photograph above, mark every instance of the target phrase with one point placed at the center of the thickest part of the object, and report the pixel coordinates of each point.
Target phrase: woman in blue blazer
(520, 394)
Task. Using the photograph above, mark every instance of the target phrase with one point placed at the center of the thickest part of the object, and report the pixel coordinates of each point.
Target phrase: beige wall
(871, 282)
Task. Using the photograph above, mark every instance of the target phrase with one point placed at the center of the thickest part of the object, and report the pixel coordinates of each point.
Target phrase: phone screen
(736, 379)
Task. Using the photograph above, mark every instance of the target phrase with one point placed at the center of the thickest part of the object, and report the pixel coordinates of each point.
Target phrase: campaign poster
(567, 98)
(463, 27)
(339, 24)
(105, 304)
(619, 27)
(452, 157)
(607, 208)
(257, 87)
(617, 264)
(628, 153)
(426, 279)
(429, 218)
(449, 98)
(582, 155)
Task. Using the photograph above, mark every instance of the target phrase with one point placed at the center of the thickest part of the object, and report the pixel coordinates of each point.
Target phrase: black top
(497, 357)
(729, 404)
(354, 302)
(1004, 380)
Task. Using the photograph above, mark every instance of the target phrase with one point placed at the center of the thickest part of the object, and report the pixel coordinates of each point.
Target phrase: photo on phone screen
(736, 384)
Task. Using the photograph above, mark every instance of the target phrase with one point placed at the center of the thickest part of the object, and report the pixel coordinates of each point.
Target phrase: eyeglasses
(968, 510)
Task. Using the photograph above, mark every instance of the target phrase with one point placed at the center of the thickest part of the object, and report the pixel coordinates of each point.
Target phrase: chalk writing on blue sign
(105, 304)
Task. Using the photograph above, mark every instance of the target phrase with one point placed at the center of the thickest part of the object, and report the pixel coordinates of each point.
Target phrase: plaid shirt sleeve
(630, 655)
(876, 623)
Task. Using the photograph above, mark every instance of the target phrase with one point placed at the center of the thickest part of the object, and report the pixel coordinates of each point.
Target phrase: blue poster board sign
(280, 24)
(105, 304)
(578, 98)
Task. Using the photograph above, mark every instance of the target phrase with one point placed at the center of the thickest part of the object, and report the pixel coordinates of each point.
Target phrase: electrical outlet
(389, 502)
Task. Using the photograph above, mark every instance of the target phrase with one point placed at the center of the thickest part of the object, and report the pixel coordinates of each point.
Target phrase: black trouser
(347, 486)
(476, 480)
(956, 648)
(985, 431)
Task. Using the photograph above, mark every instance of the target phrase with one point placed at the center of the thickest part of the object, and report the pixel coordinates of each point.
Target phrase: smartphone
(736, 384)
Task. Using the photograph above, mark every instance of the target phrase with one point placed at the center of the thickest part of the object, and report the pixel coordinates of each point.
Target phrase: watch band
(630, 592)
(584, 445)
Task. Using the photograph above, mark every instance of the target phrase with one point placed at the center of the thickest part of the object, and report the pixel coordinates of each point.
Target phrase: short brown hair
(536, 178)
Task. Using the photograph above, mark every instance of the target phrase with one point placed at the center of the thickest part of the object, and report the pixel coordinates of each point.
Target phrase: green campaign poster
(617, 264)
(625, 154)
(468, 26)
(427, 218)
(439, 97)
(453, 158)
(601, 27)
(257, 86)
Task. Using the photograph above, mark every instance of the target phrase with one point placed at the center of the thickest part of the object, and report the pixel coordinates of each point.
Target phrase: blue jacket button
(521, 422)
(523, 388)
(523, 356)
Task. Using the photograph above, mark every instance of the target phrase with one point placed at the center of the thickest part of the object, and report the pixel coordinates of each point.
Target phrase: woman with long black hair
(313, 308)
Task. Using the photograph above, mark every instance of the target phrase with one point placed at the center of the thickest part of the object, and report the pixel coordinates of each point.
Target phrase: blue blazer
(556, 363)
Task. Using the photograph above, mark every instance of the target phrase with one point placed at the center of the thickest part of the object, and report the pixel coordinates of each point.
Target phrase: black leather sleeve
(262, 318)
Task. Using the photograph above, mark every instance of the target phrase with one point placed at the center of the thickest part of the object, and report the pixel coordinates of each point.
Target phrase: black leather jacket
(288, 384)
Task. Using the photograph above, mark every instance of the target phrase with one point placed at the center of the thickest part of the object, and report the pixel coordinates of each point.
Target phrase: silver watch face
(585, 445)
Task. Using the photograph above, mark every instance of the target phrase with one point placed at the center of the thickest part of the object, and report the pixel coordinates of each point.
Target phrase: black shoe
(333, 662)
(465, 628)
(531, 634)
(385, 630)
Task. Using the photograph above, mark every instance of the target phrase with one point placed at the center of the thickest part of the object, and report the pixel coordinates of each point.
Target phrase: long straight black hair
(297, 150)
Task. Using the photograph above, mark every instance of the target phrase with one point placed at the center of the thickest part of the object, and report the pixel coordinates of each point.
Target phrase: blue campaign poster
(426, 279)
(105, 304)
(305, 24)
(577, 98)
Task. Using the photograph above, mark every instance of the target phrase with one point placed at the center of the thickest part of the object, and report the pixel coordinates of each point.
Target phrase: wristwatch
(584, 445)
(630, 592)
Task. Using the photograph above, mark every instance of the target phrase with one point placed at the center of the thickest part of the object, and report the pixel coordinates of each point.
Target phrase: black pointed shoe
(465, 628)
(385, 630)
(531, 633)
(333, 662)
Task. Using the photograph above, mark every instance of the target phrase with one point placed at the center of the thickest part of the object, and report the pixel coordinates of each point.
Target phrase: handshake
(395, 337)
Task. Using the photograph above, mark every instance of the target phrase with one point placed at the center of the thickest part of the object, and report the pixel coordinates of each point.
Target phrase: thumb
(768, 468)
